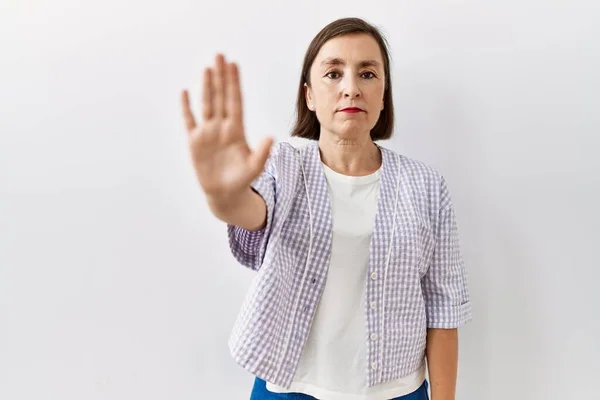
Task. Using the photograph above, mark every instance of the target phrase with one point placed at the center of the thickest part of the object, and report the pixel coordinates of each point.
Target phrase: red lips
(352, 109)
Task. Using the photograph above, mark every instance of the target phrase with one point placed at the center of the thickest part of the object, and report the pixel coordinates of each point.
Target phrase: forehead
(350, 48)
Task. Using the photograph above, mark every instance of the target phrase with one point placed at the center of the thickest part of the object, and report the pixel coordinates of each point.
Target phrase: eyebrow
(339, 61)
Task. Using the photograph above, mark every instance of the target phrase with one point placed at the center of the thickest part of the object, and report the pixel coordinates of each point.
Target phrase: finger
(234, 93)
(218, 90)
(258, 158)
(188, 117)
(207, 95)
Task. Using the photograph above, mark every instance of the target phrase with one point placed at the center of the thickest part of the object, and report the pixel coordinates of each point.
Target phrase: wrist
(224, 203)
(246, 209)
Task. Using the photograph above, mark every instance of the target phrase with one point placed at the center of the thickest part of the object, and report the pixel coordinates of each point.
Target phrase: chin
(353, 129)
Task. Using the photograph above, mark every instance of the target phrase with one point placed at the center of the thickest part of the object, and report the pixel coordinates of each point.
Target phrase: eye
(336, 73)
(370, 75)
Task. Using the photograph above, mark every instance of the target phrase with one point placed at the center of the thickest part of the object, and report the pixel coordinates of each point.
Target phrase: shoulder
(415, 169)
(283, 161)
(282, 152)
(427, 180)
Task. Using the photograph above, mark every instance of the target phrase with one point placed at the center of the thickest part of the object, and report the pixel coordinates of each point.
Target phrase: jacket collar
(389, 196)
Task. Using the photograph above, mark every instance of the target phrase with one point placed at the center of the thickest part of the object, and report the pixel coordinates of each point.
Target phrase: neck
(352, 157)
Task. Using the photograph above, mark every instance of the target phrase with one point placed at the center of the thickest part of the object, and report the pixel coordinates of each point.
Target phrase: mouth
(352, 110)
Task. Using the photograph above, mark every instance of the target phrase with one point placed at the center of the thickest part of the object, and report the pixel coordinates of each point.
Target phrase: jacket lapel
(384, 217)
(320, 206)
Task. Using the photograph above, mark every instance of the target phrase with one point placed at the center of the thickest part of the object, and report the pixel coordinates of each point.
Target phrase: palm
(223, 161)
(221, 157)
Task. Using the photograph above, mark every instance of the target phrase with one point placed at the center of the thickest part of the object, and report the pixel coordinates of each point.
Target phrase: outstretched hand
(224, 163)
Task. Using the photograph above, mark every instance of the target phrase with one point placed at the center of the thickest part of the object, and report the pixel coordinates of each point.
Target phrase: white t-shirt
(333, 362)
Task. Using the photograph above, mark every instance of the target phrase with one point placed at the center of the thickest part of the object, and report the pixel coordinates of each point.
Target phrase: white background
(117, 283)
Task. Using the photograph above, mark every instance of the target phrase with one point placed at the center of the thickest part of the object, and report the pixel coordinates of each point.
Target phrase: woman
(359, 274)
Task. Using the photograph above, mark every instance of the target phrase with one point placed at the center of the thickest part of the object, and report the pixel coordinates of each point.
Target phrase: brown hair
(307, 125)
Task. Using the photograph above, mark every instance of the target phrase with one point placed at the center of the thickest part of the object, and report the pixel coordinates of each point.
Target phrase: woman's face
(347, 72)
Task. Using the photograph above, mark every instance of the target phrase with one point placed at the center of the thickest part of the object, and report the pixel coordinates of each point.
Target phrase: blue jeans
(260, 392)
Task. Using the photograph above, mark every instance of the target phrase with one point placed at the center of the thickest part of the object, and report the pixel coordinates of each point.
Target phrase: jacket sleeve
(248, 247)
(445, 283)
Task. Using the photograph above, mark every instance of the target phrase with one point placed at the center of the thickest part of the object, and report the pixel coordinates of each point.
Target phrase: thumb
(258, 158)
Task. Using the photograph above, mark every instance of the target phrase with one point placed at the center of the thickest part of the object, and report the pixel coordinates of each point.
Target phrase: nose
(350, 87)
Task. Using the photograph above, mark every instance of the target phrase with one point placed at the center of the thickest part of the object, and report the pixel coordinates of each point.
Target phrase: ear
(308, 96)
